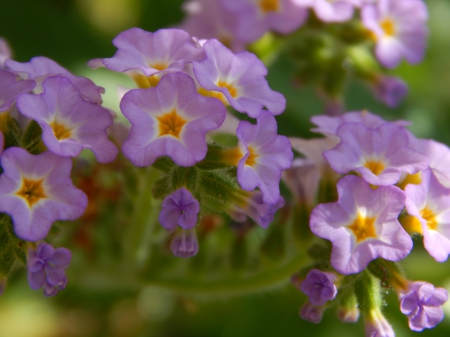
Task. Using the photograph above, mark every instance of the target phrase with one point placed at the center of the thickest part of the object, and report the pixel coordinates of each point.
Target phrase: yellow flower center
(251, 159)
(363, 228)
(60, 130)
(232, 90)
(145, 82)
(268, 6)
(32, 191)
(430, 218)
(375, 166)
(415, 179)
(171, 124)
(388, 27)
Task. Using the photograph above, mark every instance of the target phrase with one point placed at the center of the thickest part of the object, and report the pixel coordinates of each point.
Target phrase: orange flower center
(171, 124)
(32, 191)
(388, 27)
(251, 159)
(376, 167)
(430, 218)
(268, 6)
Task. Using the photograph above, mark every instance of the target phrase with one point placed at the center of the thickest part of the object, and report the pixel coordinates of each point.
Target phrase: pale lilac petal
(11, 89)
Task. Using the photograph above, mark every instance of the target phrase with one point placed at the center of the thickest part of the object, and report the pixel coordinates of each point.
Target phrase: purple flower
(179, 209)
(438, 154)
(169, 120)
(421, 303)
(263, 156)
(332, 10)
(429, 202)
(46, 268)
(399, 29)
(184, 243)
(312, 313)
(39, 68)
(256, 17)
(376, 325)
(239, 80)
(362, 225)
(69, 122)
(207, 19)
(390, 90)
(10, 89)
(328, 125)
(144, 54)
(319, 287)
(380, 155)
(36, 190)
(5, 53)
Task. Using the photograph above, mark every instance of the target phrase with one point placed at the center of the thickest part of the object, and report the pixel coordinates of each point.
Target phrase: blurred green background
(72, 32)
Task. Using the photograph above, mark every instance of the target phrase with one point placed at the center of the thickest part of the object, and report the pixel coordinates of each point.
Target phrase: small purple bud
(421, 303)
(319, 287)
(184, 243)
(311, 312)
(179, 208)
(46, 268)
(348, 315)
(390, 90)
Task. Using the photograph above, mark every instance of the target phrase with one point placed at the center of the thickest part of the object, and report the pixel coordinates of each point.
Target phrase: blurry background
(72, 32)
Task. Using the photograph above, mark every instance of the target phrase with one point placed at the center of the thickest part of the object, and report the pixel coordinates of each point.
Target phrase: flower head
(380, 155)
(69, 122)
(319, 287)
(179, 209)
(429, 202)
(376, 325)
(169, 120)
(39, 68)
(237, 79)
(362, 225)
(421, 303)
(264, 156)
(390, 90)
(143, 54)
(11, 89)
(36, 190)
(312, 313)
(256, 17)
(398, 28)
(45, 266)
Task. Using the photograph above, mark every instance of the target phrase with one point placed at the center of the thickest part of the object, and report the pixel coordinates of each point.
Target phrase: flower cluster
(185, 86)
(381, 169)
(48, 116)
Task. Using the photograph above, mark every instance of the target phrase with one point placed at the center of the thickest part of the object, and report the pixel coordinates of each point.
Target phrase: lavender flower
(10, 89)
(46, 267)
(179, 209)
(69, 122)
(399, 29)
(36, 190)
(207, 19)
(184, 243)
(239, 79)
(256, 17)
(331, 10)
(169, 120)
(380, 155)
(362, 225)
(144, 54)
(429, 202)
(264, 156)
(39, 68)
(261, 212)
(328, 125)
(421, 303)
(319, 287)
